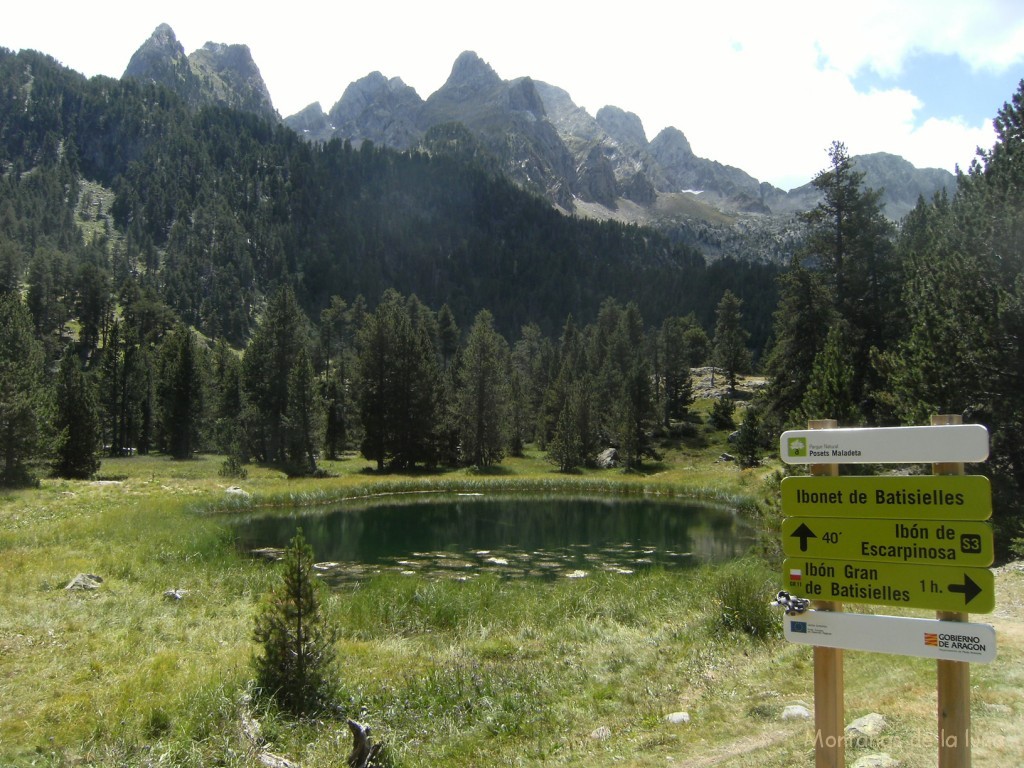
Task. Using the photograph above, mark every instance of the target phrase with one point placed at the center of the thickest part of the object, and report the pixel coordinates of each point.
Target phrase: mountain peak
(469, 70)
(215, 74)
(232, 77)
(378, 109)
(160, 59)
(625, 127)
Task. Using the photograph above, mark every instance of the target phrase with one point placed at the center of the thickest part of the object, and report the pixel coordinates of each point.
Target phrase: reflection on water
(516, 536)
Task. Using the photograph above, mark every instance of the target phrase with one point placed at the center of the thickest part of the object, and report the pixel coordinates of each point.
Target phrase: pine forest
(178, 281)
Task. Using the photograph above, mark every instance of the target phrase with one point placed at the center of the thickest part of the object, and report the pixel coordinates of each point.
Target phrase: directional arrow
(969, 589)
(803, 533)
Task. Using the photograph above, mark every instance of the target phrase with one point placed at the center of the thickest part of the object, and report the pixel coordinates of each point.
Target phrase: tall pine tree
(483, 396)
(180, 393)
(76, 423)
(22, 396)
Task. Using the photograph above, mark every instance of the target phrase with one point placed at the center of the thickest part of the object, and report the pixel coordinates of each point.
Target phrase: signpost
(936, 587)
(912, 541)
(903, 636)
(930, 542)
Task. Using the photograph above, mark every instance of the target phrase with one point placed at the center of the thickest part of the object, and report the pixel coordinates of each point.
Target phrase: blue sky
(766, 87)
(947, 86)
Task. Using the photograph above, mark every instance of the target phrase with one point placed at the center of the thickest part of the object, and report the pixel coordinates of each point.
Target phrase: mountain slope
(215, 207)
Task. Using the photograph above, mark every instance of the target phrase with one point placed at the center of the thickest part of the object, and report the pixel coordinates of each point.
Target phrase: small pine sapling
(298, 645)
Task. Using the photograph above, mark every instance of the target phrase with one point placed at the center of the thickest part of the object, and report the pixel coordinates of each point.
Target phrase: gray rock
(608, 459)
(85, 581)
(796, 712)
(862, 731)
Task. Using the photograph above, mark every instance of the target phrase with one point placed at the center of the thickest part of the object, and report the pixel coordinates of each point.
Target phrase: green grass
(487, 672)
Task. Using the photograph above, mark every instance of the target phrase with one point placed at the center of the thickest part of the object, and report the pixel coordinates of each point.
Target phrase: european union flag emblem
(798, 626)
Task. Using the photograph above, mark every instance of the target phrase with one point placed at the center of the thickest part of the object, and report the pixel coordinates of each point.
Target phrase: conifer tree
(76, 423)
(801, 324)
(574, 439)
(304, 417)
(398, 386)
(748, 441)
(635, 410)
(483, 394)
(21, 393)
(268, 361)
(180, 393)
(830, 394)
(448, 334)
(296, 640)
(851, 242)
(674, 357)
(730, 342)
(224, 399)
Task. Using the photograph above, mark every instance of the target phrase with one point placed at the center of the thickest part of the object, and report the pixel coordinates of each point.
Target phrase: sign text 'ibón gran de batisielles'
(936, 587)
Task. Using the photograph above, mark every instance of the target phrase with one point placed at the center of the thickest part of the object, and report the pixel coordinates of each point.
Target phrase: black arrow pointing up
(803, 533)
(969, 588)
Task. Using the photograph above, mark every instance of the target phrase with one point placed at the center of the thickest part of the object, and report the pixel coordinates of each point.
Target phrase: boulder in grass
(607, 459)
(85, 581)
(796, 712)
(862, 731)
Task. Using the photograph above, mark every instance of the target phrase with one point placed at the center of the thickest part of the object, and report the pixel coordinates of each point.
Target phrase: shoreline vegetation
(578, 672)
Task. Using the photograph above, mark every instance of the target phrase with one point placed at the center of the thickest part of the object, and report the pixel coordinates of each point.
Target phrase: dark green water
(516, 536)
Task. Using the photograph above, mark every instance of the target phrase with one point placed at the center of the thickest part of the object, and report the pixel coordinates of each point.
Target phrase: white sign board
(926, 638)
(886, 445)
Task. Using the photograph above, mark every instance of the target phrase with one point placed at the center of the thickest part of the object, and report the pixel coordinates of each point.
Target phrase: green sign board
(915, 497)
(934, 542)
(936, 587)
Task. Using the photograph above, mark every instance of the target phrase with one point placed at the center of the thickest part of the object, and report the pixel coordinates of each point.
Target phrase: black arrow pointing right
(803, 533)
(969, 589)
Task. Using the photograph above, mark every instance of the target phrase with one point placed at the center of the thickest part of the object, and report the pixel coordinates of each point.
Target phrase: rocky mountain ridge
(605, 159)
(215, 74)
(600, 166)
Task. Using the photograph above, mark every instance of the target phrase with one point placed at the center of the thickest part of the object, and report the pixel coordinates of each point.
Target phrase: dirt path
(745, 746)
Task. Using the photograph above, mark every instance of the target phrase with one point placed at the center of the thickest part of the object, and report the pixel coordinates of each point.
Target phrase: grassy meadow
(483, 672)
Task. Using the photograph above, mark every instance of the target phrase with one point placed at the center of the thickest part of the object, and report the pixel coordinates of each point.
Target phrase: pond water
(461, 536)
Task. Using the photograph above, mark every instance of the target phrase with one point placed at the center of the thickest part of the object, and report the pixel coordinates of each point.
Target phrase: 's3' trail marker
(929, 542)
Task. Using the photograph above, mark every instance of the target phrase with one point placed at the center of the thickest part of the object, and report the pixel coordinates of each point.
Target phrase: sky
(764, 86)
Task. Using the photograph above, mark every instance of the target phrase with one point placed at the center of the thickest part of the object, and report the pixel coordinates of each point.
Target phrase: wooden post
(829, 736)
(954, 677)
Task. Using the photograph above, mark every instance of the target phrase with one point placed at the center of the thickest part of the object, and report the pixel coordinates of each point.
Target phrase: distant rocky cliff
(214, 74)
(582, 162)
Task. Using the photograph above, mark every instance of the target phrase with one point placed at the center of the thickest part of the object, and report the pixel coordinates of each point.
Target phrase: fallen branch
(364, 754)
